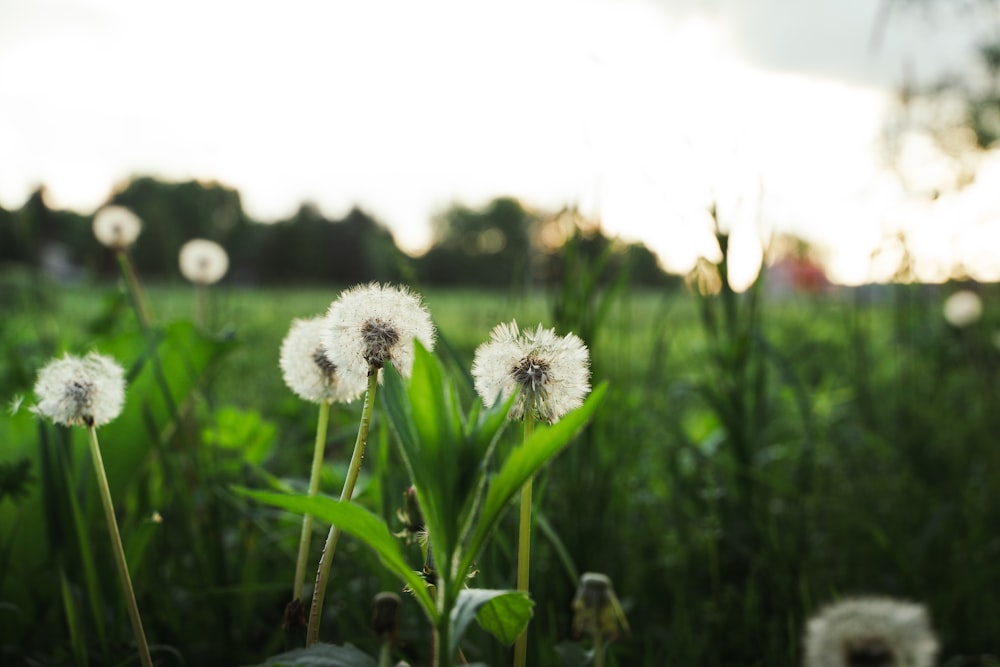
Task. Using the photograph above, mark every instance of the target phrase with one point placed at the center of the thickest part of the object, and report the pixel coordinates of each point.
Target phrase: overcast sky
(640, 112)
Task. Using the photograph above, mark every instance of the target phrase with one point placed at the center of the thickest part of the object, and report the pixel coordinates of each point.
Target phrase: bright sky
(639, 112)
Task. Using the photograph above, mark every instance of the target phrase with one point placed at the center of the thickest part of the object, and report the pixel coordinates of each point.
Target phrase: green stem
(524, 548)
(118, 550)
(307, 520)
(385, 655)
(132, 279)
(200, 304)
(326, 559)
(598, 648)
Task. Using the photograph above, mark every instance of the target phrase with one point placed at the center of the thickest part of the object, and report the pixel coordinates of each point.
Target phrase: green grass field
(752, 461)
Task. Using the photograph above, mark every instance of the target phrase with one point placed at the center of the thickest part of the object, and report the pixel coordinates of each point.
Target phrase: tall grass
(754, 458)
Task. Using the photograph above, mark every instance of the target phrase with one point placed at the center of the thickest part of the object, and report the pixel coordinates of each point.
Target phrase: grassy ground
(753, 461)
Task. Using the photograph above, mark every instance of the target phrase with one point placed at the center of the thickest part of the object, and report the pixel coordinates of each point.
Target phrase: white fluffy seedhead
(371, 325)
(870, 631)
(116, 227)
(75, 391)
(549, 373)
(203, 262)
(306, 369)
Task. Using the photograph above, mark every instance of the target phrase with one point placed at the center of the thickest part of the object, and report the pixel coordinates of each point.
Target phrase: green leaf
(504, 614)
(360, 523)
(522, 464)
(321, 655)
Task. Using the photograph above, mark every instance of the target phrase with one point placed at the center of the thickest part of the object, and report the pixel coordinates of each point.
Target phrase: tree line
(502, 244)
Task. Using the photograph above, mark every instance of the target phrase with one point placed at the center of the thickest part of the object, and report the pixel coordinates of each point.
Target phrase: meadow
(755, 457)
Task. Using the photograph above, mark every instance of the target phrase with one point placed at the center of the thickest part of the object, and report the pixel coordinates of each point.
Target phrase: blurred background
(775, 223)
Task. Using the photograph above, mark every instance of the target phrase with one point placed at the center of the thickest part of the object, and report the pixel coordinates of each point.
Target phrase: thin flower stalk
(524, 547)
(307, 520)
(118, 550)
(330, 547)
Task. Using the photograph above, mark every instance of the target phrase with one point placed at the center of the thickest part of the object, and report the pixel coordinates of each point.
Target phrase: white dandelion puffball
(870, 630)
(549, 373)
(370, 325)
(75, 391)
(963, 308)
(306, 369)
(116, 227)
(203, 262)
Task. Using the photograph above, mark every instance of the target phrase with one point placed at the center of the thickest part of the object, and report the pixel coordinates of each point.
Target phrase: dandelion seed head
(308, 371)
(116, 227)
(75, 391)
(870, 631)
(550, 374)
(203, 262)
(371, 325)
(963, 308)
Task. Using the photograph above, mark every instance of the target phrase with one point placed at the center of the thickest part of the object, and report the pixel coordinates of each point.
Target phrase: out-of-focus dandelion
(963, 308)
(203, 263)
(371, 325)
(307, 369)
(871, 631)
(90, 392)
(549, 375)
(117, 228)
(367, 327)
(80, 391)
(597, 612)
(313, 377)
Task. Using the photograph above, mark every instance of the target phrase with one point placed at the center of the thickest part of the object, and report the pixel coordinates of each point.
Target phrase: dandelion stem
(118, 550)
(524, 547)
(326, 559)
(307, 520)
(599, 647)
(200, 304)
(385, 655)
(135, 291)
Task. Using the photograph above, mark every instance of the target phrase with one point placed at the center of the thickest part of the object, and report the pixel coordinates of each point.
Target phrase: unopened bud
(596, 608)
(385, 616)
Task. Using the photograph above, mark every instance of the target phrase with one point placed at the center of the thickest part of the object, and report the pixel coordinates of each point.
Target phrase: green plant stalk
(118, 550)
(598, 648)
(132, 279)
(330, 548)
(524, 547)
(385, 655)
(307, 520)
(200, 304)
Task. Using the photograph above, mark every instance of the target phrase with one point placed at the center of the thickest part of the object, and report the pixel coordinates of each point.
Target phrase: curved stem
(118, 550)
(132, 278)
(325, 560)
(524, 548)
(307, 520)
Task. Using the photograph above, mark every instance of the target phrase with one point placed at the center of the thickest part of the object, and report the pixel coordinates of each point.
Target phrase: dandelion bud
(74, 391)
(203, 262)
(596, 608)
(116, 227)
(385, 617)
(872, 632)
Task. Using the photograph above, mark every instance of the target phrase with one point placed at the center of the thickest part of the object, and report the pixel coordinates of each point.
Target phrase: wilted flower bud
(385, 616)
(596, 608)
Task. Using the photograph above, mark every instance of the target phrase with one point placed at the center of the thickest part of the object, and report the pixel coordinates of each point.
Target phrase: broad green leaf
(321, 655)
(506, 616)
(504, 612)
(522, 464)
(360, 523)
